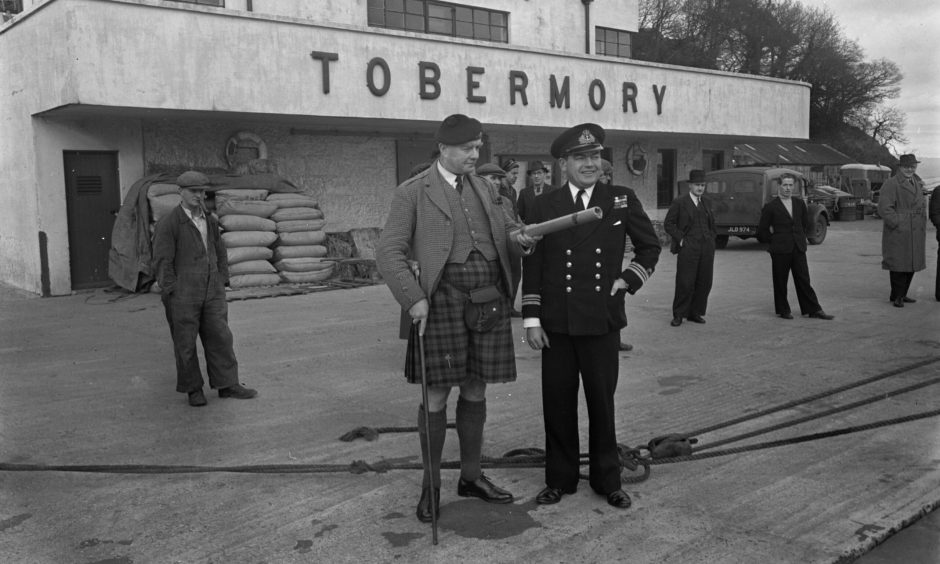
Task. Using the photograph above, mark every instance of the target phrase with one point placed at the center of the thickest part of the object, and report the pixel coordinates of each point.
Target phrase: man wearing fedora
(454, 225)
(536, 173)
(573, 289)
(903, 212)
(192, 270)
(691, 224)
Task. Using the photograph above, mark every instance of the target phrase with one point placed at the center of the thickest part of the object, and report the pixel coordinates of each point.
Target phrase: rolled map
(561, 223)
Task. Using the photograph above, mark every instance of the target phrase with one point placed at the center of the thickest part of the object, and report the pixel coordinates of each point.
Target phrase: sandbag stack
(247, 235)
(163, 198)
(301, 241)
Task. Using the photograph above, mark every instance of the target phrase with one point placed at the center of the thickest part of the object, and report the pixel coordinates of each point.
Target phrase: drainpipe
(587, 25)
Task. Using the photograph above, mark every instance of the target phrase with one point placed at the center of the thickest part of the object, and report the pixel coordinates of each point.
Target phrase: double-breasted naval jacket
(567, 279)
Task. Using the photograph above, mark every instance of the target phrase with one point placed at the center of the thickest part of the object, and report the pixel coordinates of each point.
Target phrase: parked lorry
(864, 181)
(739, 194)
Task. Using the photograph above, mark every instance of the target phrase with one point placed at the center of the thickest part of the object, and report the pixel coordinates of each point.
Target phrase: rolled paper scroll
(561, 223)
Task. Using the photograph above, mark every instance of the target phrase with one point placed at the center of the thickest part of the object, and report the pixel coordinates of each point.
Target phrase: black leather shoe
(898, 302)
(908, 300)
(423, 511)
(484, 489)
(550, 496)
(197, 398)
(821, 315)
(786, 315)
(676, 321)
(626, 347)
(619, 499)
(696, 319)
(238, 392)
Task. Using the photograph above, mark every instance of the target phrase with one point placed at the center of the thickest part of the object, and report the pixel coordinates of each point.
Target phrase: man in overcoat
(691, 224)
(192, 269)
(536, 173)
(454, 224)
(573, 289)
(903, 212)
(784, 222)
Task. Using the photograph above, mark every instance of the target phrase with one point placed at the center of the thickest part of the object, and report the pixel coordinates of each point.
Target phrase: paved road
(88, 379)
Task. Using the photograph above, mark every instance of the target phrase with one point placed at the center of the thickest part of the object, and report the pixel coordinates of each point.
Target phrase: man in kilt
(455, 225)
(573, 289)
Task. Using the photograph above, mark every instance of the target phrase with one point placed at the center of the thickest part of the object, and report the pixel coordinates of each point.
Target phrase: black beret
(458, 129)
(584, 138)
(193, 180)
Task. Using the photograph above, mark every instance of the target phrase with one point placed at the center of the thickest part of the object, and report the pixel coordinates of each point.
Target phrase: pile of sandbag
(247, 235)
(163, 198)
(301, 241)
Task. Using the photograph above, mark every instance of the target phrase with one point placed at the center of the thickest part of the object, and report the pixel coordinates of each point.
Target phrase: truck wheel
(721, 241)
(819, 233)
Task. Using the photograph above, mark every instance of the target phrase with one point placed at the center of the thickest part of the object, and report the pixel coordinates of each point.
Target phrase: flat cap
(458, 129)
(584, 138)
(490, 168)
(510, 164)
(193, 180)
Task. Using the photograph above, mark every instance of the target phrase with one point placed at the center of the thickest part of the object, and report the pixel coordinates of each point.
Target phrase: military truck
(738, 194)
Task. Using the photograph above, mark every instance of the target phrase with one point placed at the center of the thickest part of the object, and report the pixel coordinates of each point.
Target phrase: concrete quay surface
(88, 379)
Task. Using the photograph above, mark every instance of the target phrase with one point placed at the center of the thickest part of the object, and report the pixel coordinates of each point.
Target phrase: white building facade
(99, 93)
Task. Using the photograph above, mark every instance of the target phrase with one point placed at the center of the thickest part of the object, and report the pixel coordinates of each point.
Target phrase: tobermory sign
(428, 85)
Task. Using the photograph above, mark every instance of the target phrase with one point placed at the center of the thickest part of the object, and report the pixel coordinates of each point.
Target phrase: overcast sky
(908, 33)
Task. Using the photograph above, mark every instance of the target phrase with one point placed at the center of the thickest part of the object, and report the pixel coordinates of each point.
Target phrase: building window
(440, 18)
(665, 178)
(11, 7)
(612, 42)
(217, 3)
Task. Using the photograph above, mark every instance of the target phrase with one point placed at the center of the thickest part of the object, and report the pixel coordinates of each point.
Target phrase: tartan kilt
(455, 355)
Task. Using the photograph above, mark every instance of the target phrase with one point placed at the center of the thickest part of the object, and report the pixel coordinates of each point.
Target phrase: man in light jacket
(903, 212)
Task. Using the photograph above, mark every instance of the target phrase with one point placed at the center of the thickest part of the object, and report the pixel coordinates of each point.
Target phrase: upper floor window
(219, 3)
(11, 7)
(612, 42)
(430, 16)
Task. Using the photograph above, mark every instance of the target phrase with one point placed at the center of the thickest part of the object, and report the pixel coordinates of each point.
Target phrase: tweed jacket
(566, 281)
(182, 263)
(419, 227)
(680, 216)
(903, 211)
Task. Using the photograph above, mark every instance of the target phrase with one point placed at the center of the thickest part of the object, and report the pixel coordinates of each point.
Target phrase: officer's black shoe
(619, 499)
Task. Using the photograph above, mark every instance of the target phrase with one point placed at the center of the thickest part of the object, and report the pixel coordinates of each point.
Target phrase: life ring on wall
(244, 139)
(636, 159)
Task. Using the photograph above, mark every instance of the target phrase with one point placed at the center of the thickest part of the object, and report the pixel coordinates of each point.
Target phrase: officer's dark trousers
(936, 291)
(694, 272)
(595, 358)
(784, 263)
(201, 311)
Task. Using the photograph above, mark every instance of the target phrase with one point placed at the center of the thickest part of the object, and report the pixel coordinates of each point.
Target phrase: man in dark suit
(573, 289)
(192, 270)
(454, 225)
(784, 222)
(691, 224)
(536, 173)
(934, 212)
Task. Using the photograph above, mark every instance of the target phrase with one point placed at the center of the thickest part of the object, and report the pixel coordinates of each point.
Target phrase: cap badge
(586, 137)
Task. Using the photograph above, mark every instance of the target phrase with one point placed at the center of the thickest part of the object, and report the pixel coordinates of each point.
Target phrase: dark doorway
(666, 178)
(93, 198)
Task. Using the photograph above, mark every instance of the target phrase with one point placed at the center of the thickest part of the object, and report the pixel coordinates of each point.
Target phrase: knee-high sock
(470, 418)
(438, 431)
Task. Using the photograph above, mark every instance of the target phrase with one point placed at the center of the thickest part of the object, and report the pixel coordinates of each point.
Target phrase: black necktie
(458, 184)
(580, 201)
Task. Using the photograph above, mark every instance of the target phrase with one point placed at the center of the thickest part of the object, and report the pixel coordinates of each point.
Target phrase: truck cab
(737, 196)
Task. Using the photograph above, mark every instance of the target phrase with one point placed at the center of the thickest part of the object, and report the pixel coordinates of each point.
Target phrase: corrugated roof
(784, 154)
